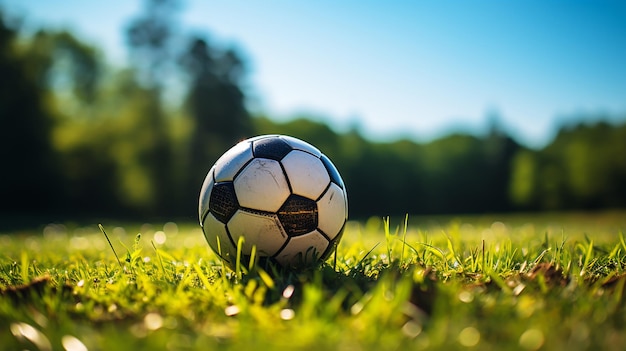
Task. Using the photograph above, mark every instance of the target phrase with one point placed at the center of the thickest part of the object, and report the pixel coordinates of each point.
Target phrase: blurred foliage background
(80, 138)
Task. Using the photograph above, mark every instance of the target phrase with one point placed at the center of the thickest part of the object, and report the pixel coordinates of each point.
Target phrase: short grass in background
(553, 281)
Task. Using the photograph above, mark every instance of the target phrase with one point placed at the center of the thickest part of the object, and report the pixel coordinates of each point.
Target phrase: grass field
(518, 282)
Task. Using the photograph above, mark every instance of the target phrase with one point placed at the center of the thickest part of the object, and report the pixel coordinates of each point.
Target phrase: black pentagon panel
(298, 215)
(223, 202)
(273, 148)
(332, 171)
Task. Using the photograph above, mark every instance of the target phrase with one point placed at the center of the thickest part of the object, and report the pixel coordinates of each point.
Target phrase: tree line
(82, 138)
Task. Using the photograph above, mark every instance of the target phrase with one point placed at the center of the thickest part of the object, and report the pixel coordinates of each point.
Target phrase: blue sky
(401, 68)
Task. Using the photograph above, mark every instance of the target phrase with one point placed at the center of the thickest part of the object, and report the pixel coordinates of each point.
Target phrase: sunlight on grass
(514, 282)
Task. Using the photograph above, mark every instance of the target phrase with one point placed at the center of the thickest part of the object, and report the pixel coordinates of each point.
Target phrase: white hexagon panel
(217, 237)
(231, 162)
(303, 250)
(261, 230)
(332, 211)
(307, 174)
(261, 185)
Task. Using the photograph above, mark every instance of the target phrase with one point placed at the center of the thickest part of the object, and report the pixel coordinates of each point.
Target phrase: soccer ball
(277, 194)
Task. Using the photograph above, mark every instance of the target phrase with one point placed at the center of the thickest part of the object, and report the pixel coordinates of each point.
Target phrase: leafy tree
(141, 146)
(523, 182)
(583, 168)
(29, 173)
(150, 172)
(592, 160)
(150, 38)
(214, 100)
(499, 149)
